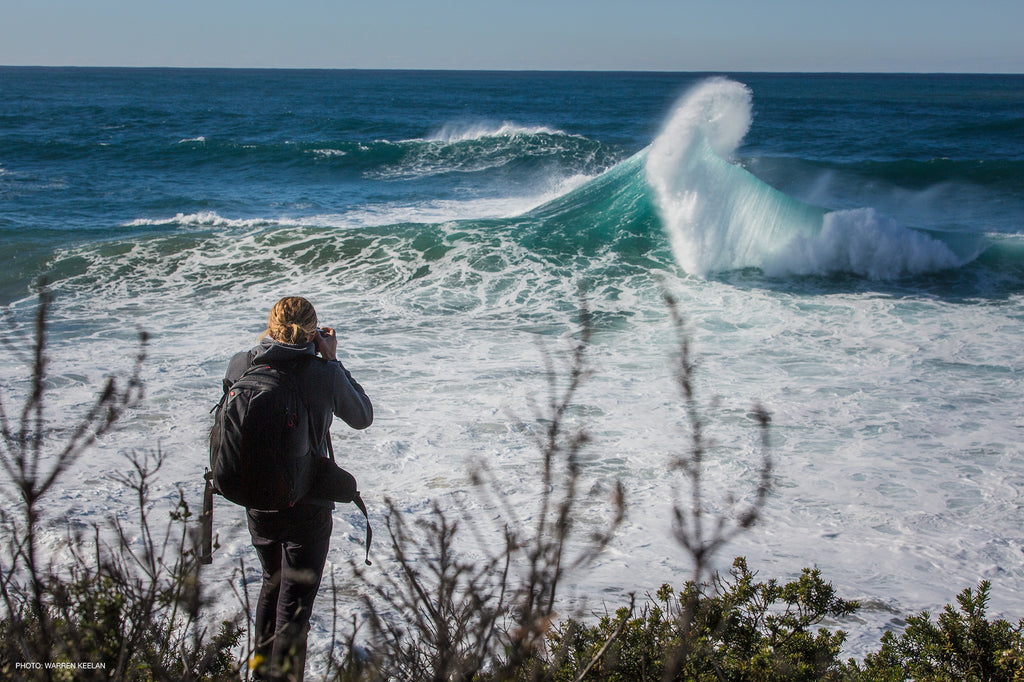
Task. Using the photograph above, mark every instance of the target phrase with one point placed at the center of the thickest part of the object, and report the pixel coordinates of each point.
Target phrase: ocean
(847, 250)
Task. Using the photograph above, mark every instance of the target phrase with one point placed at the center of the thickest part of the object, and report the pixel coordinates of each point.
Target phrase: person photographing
(292, 539)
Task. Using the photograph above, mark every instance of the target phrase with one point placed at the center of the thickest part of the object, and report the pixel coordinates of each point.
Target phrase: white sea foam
(864, 243)
(439, 211)
(464, 132)
(329, 153)
(201, 219)
(375, 215)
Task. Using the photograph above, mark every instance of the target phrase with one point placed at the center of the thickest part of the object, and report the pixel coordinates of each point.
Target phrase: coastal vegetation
(468, 599)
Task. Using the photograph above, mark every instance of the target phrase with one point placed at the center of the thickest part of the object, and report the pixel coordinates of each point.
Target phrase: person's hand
(326, 343)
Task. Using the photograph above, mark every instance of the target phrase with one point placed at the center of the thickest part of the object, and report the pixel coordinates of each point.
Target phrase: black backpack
(262, 455)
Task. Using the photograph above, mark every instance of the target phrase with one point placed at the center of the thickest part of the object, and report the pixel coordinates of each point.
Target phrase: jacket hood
(271, 351)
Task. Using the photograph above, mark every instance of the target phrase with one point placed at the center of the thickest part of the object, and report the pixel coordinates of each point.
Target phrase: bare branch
(442, 617)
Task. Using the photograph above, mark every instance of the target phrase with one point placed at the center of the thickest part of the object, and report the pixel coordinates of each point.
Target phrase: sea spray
(865, 243)
(717, 215)
(465, 131)
(720, 217)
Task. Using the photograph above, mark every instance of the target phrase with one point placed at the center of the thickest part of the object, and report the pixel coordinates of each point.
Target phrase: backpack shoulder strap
(358, 501)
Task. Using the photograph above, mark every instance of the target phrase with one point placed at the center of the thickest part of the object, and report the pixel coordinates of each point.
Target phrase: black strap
(358, 501)
(206, 522)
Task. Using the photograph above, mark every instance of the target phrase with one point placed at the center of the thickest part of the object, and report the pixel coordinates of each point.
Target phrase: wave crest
(719, 217)
(200, 219)
(467, 132)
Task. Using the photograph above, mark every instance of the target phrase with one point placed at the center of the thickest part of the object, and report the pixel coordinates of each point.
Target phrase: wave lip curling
(719, 217)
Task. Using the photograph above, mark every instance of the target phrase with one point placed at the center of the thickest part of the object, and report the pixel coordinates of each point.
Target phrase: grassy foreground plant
(448, 614)
(701, 532)
(716, 628)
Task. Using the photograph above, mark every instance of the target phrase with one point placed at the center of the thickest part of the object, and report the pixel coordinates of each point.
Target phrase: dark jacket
(329, 389)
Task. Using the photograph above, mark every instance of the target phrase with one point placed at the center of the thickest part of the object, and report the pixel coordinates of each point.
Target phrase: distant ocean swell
(1005, 174)
(685, 198)
(453, 149)
(481, 148)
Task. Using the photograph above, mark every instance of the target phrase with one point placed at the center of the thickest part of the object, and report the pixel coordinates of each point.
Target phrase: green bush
(736, 628)
(963, 646)
(92, 619)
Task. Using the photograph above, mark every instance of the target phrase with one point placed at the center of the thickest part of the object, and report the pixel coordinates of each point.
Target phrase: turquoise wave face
(611, 213)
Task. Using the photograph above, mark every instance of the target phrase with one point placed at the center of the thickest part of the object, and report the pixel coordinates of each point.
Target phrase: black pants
(292, 546)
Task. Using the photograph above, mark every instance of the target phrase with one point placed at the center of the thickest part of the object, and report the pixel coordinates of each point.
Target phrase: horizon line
(505, 70)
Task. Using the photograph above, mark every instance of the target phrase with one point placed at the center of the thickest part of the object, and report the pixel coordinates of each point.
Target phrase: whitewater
(864, 286)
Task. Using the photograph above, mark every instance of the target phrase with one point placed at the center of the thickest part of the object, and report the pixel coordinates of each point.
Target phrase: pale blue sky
(671, 35)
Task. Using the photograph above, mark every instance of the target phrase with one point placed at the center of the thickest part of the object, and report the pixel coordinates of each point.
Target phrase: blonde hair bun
(292, 320)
